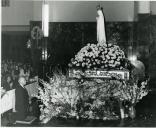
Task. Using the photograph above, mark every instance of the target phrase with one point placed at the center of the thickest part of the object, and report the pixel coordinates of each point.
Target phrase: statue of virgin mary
(101, 35)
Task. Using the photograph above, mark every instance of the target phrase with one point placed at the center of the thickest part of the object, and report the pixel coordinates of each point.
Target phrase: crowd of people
(12, 71)
(15, 75)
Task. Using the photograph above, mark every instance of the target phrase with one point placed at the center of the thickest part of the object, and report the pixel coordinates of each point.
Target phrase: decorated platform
(97, 85)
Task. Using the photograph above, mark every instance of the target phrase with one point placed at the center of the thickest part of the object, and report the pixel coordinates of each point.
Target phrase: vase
(132, 112)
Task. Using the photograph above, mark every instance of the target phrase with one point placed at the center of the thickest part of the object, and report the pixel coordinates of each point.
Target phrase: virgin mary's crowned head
(98, 7)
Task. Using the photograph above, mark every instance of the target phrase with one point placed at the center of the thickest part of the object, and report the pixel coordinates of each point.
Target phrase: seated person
(15, 73)
(10, 82)
(22, 99)
(21, 72)
(7, 82)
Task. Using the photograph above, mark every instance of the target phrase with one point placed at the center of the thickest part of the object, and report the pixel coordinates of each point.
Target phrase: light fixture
(132, 58)
(45, 18)
(44, 54)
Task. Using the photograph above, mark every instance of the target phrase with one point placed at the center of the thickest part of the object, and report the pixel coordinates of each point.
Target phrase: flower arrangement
(58, 99)
(87, 99)
(130, 91)
(71, 99)
(95, 102)
(101, 56)
(36, 33)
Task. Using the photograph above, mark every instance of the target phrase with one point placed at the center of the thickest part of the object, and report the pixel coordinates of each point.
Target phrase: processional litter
(96, 75)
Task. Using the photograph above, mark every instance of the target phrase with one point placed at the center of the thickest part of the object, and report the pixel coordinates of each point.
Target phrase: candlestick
(143, 7)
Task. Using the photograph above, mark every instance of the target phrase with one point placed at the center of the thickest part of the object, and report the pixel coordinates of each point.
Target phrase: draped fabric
(8, 101)
(101, 35)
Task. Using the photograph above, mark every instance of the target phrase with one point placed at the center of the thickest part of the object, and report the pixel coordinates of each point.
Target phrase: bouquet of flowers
(95, 56)
(95, 102)
(90, 99)
(58, 98)
(130, 91)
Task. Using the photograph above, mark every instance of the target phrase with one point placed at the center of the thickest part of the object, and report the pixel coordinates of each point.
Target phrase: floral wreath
(36, 33)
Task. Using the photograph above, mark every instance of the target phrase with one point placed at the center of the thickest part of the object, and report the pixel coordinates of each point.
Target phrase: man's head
(22, 81)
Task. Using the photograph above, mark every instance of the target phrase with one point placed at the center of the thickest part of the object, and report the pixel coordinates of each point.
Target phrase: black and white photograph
(78, 63)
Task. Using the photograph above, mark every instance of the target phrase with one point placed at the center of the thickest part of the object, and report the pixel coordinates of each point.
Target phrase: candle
(45, 19)
(143, 7)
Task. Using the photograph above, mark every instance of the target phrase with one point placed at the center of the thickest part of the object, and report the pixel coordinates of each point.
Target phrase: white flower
(83, 64)
(77, 64)
(98, 62)
(112, 61)
(97, 49)
(102, 66)
(94, 63)
(108, 57)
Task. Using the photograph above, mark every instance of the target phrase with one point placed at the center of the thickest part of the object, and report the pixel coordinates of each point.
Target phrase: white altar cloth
(8, 101)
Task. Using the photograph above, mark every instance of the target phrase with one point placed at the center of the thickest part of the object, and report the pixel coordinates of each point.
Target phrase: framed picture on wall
(5, 3)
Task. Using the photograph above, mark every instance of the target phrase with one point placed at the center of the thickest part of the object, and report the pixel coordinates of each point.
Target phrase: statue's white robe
(101, 35)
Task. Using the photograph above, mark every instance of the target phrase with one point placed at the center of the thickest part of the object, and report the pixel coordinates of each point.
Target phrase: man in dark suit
(22, 99)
